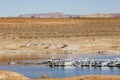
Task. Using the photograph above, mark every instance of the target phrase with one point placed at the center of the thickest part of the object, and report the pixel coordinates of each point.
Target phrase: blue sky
(17, 7)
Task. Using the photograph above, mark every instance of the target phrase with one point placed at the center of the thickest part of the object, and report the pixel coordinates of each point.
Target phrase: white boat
(117, 63)
(68, 63)
(105, 63)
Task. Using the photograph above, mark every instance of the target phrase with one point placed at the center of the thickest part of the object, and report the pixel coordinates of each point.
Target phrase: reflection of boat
(68, 67)
(105, 68)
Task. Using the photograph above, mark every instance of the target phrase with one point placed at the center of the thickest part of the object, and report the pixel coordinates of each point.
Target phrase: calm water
(37, 71)
(33, 71)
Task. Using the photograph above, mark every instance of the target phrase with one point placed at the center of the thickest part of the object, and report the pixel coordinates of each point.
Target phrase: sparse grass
(46, 28)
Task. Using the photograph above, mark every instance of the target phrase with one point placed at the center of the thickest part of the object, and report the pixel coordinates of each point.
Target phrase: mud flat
(72, 47)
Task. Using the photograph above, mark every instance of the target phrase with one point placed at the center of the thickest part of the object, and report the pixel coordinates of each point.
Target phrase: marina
(66, 67)
(85, 62)
(72, 62)
(36, 71)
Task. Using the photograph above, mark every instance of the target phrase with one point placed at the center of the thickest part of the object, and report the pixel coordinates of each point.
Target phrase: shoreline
(89, 77)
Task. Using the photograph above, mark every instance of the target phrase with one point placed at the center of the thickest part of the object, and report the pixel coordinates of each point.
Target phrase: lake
(34, 71)
(61, 72)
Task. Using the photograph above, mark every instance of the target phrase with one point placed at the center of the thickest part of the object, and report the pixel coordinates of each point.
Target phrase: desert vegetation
(47, 28)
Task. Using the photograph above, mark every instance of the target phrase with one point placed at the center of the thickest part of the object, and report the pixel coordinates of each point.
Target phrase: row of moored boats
(85, 62)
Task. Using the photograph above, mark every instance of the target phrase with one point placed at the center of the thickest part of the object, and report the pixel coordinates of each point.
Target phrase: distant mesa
(112, 15)
(48, 15)
(62, 15)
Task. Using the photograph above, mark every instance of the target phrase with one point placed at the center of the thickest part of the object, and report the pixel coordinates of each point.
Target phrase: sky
(81, 7)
